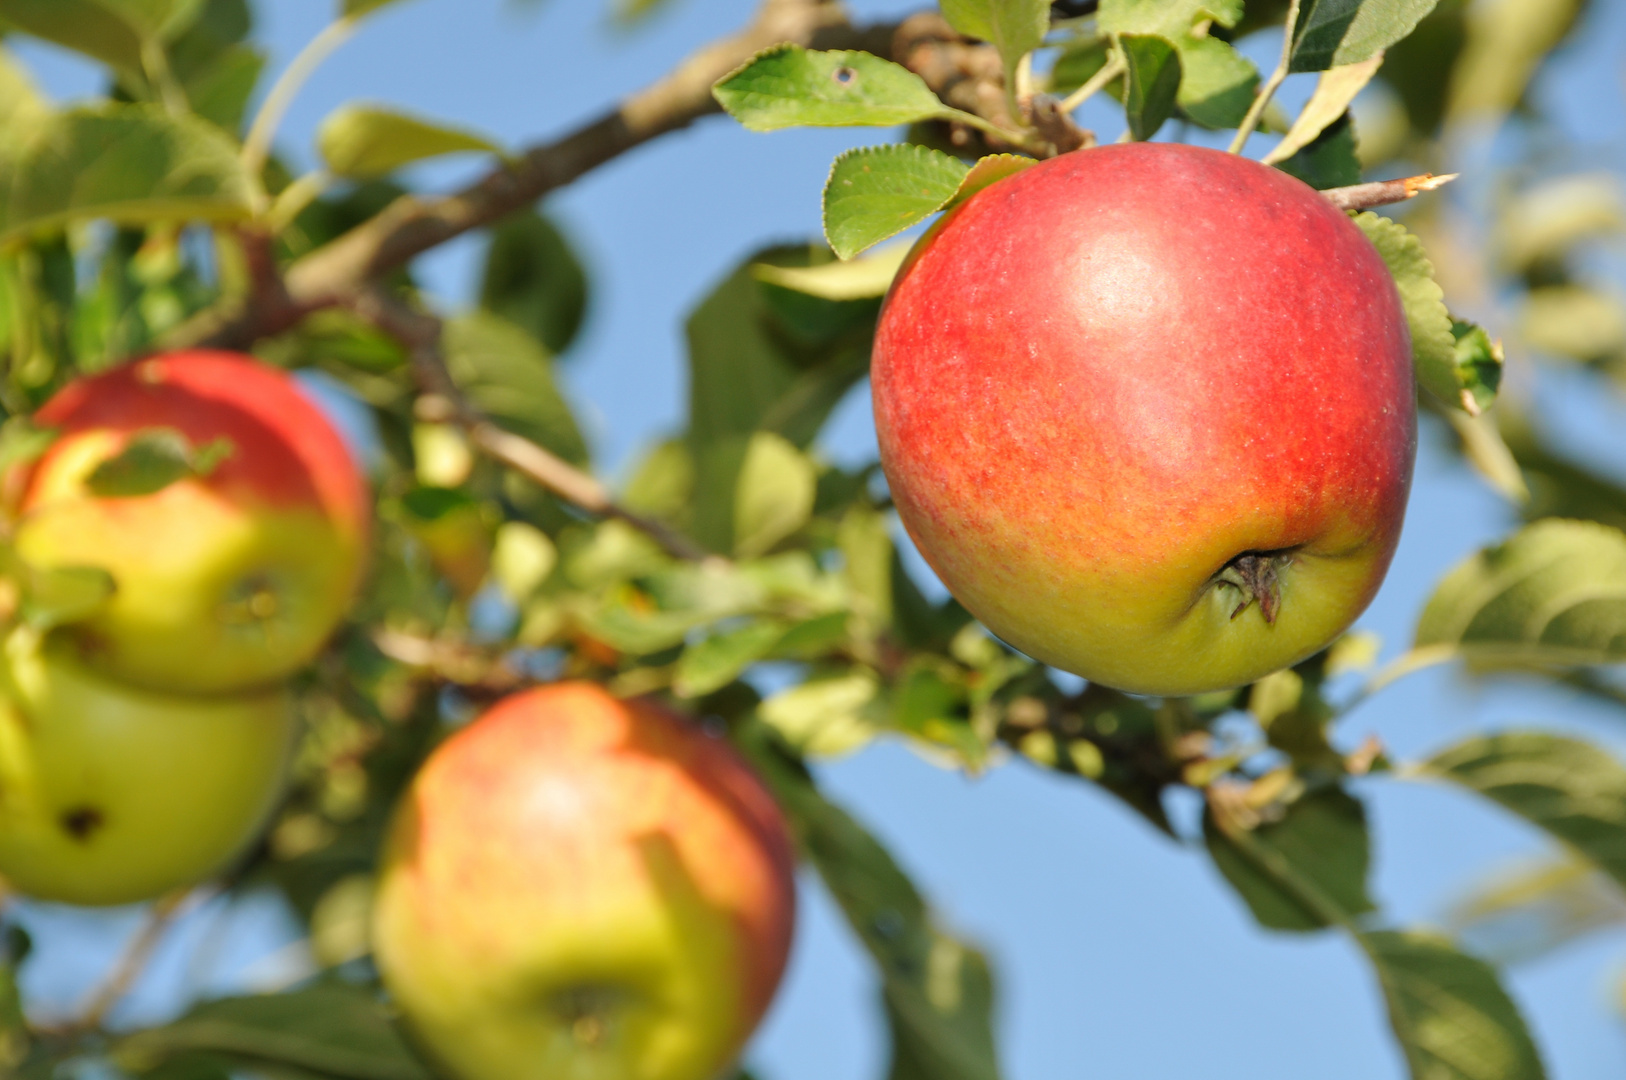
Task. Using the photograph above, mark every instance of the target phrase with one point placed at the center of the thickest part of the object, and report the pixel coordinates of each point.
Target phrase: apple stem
(1261, 99)
(1257, 576)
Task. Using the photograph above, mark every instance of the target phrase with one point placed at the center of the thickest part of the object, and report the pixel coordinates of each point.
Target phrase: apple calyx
(1257, 576)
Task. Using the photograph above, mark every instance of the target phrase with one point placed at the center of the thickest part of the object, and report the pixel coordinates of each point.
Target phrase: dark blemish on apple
(844, 76)
(81, 822)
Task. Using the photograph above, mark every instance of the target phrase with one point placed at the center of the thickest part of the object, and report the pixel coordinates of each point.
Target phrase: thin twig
(1384, 192)
(440, 401)
(121, 978)
(257, 146)
(1262, 98)
(1114, 67)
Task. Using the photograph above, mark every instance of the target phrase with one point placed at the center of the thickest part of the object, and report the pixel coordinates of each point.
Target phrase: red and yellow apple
(579, 886)
(1148, 412)
(110, 793)
(223, 580)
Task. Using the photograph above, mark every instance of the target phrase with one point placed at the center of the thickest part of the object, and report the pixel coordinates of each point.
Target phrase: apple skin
(581, 887)
(111, 794)
(1099, 381)
(225, 581)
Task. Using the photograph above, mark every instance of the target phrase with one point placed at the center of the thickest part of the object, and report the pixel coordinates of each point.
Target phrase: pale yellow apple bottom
(111, 794)
(632, 982)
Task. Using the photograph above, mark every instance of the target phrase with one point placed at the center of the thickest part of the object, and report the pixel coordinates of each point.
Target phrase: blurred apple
(577, 886)
(111, 793)
(223, 503)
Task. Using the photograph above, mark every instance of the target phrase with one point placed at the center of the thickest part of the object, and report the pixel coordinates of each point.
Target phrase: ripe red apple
(578, 886)
(1148, 412)
(111, 793)
(225, 580)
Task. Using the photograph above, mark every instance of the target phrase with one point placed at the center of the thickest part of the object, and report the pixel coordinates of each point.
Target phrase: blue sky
(1120, 953)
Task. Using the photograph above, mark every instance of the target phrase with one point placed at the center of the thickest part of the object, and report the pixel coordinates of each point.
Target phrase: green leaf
(986, 172)
(1433, 348)
(1014, 27)
(220, 91)
(1552, 594)
(21, 104)
(333, 1029)
(1505, 44)
(506, 375)
(1479, 365)
(856, 279)
(1541, 224)
(153, 459)
(1448, 1010)
(1331, 33)
(134, 164)
(355, 9)
(775, 495)
(1329, 160)
(715, 661)
(1536, 907)
(1334, 90)
(789, 86)
(155, 20)
(1217, 82)
(826, 716)
(1319, 847)
(938, 990)
(85, 26)
(878, 191)
(1153, 81)
(534, 279)
(363, 142)
(1572, 789)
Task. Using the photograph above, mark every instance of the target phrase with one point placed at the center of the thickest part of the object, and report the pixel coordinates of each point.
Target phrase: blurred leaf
(1553, 593)
(506, 375)
(878, 191)
(153, 459)
(1332, 33)
(85, 26)
(1573, 321)
(1558, 486)
(341, 923)
(220, 92)
(533, 279)
(1433, 347)
(1216, 81)
(1572, 789)
(789, 86)
(663, 483)
(938, 991)
(1014, 27)
(1318, 847)
(22, 442)
(1542, 223)
(134, 164)
(1334, 90)
(521, 559)
(156, 20)
(856, 279)
(1483, 446)
(21, 104)
(717, 660)
(353, 9)
(825, 716)
(1419, 65)
(335, 1029)
(1329, 160)
(1153, 80)
(1448, 1010)
(1506, 41)
(363, 142)
(1540, 906)
(775, 496)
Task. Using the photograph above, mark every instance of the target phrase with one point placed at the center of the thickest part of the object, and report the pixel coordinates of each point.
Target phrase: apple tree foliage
(160, 216)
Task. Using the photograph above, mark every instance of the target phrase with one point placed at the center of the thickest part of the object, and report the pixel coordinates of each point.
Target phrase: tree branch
(334, 273)
(133, 962)
(1384, 192)
(440, 401)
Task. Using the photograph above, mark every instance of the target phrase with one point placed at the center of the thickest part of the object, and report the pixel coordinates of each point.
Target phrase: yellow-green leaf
(361, 142)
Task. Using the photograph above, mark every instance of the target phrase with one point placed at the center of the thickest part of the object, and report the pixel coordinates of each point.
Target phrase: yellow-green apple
(581, 887)
(230, 577)
(111, 793)
(1148, 412)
